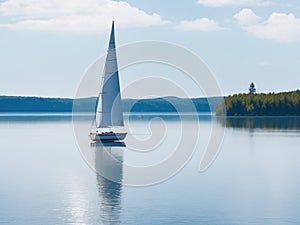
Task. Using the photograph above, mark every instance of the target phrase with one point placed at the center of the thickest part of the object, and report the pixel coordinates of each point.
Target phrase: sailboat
(108, 124)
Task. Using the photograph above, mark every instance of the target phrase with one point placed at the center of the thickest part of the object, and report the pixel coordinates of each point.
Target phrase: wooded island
(252, 104)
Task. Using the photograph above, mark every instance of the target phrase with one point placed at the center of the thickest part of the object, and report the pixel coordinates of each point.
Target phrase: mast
(109, 106)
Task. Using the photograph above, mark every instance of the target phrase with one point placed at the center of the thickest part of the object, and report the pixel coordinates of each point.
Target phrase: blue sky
(46, 46)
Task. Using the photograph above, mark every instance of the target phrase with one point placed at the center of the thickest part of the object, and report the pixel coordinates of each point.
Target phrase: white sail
(109, 106)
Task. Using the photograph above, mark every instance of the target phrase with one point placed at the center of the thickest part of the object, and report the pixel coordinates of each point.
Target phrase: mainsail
(109, 105)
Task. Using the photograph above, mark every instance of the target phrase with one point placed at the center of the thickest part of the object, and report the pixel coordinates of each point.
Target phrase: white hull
(107, 136)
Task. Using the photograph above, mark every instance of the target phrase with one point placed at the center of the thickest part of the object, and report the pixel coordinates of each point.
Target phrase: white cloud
(222, 3)
(88, 16)
(279, 27)
(202, 24)
(247, 17)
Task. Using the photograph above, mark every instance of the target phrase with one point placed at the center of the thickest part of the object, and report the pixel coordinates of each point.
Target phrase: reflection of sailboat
(109, 123)
(108, 163)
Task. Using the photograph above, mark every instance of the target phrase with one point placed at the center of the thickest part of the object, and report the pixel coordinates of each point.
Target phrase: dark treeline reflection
(108, 163)
(203, 117)
(270, 123)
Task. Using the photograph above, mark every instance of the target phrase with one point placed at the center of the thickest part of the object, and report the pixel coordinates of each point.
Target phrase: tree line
(165, 104)
(252, 104)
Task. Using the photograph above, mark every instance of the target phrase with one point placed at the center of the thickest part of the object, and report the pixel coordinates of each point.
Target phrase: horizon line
(72, 98)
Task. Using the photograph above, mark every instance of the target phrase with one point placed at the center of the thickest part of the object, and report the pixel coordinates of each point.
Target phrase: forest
(164, 104)
(252, 104)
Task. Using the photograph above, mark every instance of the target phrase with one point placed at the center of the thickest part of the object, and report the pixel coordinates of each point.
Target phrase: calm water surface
(45, 180)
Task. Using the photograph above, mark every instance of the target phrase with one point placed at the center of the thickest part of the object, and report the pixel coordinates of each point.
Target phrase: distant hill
(35, 104)
(165, 104)
(272, 104)
(171, 104)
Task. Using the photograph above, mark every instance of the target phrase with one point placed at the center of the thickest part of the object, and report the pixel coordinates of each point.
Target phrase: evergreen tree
(252, 89)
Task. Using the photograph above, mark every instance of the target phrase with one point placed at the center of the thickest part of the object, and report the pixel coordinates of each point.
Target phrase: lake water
(47, 177)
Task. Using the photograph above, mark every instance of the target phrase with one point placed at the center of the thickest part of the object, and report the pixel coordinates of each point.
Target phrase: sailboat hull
(107, 137)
